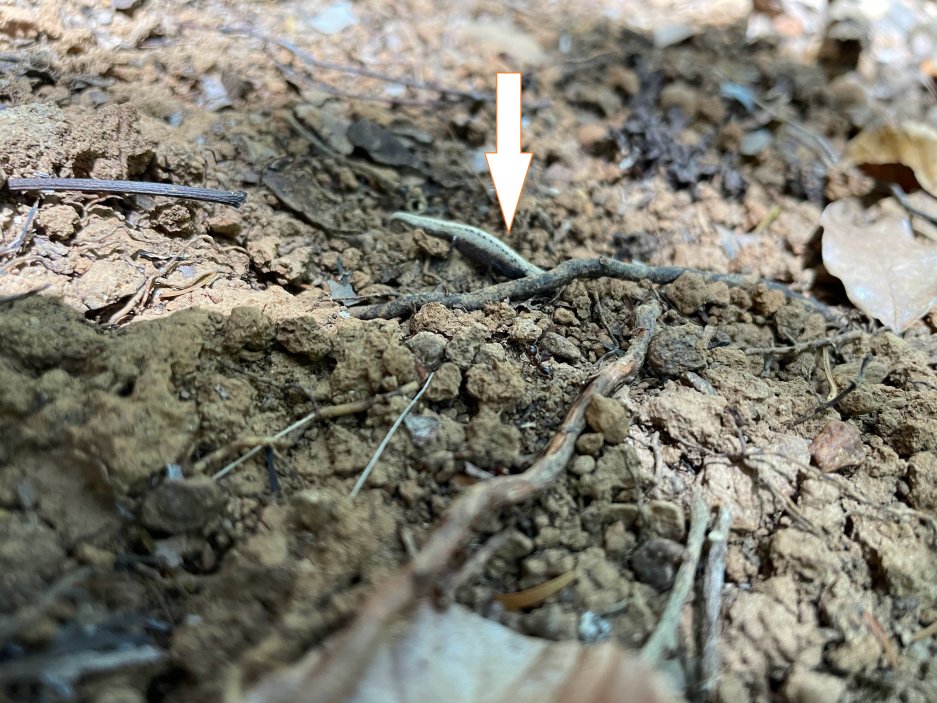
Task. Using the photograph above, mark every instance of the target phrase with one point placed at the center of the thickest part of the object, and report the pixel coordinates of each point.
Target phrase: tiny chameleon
(476, 244)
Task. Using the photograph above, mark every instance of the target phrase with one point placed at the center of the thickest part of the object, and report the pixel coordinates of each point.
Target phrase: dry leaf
(460, 657)
(912, 144)
(888, 273)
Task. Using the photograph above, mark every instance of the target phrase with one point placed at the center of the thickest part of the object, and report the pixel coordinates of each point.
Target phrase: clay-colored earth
(172, 336)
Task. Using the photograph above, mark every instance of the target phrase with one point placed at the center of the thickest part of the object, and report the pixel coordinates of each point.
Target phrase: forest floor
(170, 336)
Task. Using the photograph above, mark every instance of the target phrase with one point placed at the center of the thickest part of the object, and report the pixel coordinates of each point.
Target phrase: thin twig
(138, 299)
(806, 346)
(850, 387)
(565, 273)
(235, 198)
(898, 192)
(72, 667)
(663, 639)
(430, 86)
(713, 580)
(17, 244)
(352, 408)
(319, 678)
(878, 632)
(390, 433)
(924, 633)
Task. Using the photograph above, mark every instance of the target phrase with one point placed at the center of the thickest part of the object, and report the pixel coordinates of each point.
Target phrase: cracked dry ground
(831, 568)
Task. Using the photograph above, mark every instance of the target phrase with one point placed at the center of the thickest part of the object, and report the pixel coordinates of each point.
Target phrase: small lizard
(476, 244)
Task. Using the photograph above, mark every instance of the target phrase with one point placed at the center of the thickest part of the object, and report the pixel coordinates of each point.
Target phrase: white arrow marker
(508, 165)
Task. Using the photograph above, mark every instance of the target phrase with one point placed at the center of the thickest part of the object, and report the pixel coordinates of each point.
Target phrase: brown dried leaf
(460, 657)
(887, 272)
(913, 144)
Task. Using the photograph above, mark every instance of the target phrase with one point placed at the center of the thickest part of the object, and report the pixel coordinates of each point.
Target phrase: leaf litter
(887, 271)
(108, 435)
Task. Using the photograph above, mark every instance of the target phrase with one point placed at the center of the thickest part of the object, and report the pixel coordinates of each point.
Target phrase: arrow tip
(508, 173)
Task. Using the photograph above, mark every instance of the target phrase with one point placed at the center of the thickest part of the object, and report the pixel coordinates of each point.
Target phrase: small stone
(428, 347)
(515, 545)
(565, 317)
(26, 494)
(692, 291)
(86, 553)
(591, 134)
(656, 562)
(491, 353)
(838, 445)
(248, 328)
(431, 246)
(314, 508)
(174, 219)
(525, 330)
(498, 383)
(676, 350)
(446, 383)
(182, 506)
(590, 443)
(813, 687)
(560, 347)
(491, 442)
(226, 222)
(665, 519)
(434, 317)
(582, 465)
(58, 221)
(464, 345)
(535, 566)
(609, 417)
(303, 335)
(681, 96)
(767, 301)
(617, 541)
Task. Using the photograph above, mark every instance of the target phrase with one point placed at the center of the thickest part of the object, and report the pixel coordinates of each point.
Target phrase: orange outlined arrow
(509, 165)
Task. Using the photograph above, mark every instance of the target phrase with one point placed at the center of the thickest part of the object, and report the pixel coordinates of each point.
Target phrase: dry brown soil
(170, 329)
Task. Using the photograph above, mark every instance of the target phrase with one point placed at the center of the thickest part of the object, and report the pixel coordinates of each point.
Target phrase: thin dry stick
(713, 580)
(17, 244)
(924, 633)
(432, 87)
(850, 387)
(664, 637)
(329, 676)
(806, 346)
(565, 273)
(357, 406)
(902, 197)
(138, 299)
(71, 667)
(235, 198)
(359, 484)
